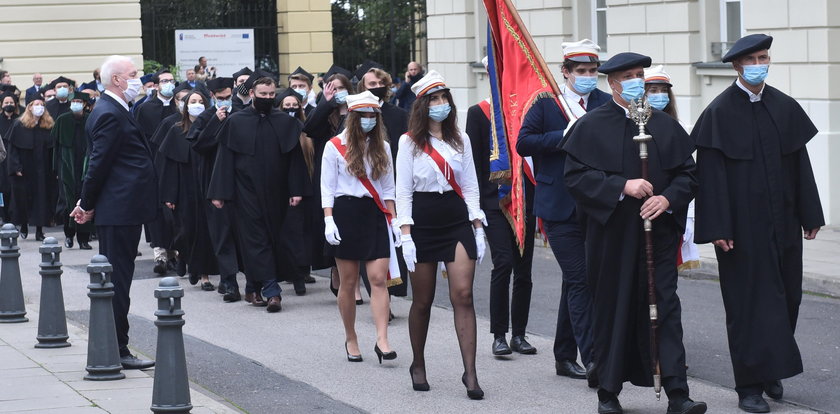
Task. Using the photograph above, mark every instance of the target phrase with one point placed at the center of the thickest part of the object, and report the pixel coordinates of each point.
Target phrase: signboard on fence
(228, 50)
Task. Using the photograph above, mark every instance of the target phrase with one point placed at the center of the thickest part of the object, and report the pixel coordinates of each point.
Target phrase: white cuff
(478, 215)
(405, 221)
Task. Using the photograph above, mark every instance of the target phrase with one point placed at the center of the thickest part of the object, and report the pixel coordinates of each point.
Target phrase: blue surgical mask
(632, 89)
(77, 106)
(167, 89)
(394, 90)
(439, 112)
(368, 124)
(224, 104)
(301, 92)
(755, 74)
(585, 84)
(658, 100)
(341, 97)
(100, 87)
(62, 93)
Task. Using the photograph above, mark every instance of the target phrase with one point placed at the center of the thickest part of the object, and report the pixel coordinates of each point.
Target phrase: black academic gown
(5, 180)
(259, 166)
(757, 189)
(180, 185)
(30, 152)
(237, 104)
(601, 158)
(160, 231)
(56, 108)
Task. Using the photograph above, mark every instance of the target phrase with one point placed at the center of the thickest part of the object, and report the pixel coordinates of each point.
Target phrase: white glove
(396, 232)
(331, 231)
(409, 251)
(479, 243)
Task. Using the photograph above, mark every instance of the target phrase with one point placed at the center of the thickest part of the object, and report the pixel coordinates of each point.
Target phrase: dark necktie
(582, 104)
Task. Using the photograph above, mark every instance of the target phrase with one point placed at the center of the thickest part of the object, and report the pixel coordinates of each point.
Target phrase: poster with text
(228, 50)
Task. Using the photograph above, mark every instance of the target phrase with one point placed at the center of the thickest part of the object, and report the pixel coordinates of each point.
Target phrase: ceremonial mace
(640, 114)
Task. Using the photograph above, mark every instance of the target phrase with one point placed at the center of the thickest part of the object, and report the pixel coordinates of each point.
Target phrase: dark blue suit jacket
(121, 182)
(31, 91)
(540, 137)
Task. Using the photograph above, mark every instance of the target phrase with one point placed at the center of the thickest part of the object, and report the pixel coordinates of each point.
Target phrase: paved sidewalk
(821, 268)
(51, 380)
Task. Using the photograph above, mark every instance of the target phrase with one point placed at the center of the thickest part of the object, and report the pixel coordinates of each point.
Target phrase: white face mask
(195, 109)
(37, 110)
(133, 89)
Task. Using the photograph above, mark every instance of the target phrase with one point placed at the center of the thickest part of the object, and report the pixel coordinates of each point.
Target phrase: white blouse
(337, 182)
(417, 171)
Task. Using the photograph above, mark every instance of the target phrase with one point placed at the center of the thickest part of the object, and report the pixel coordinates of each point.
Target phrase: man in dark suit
(540, 137)
(120, 187)
(36, 88)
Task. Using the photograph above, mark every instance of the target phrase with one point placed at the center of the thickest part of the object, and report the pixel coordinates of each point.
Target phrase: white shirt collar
(626, 111)
(118, 98)
(753, 97)
(165, 101)
(572, 96)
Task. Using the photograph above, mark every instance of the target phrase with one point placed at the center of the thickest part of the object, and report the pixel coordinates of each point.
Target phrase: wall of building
(305, 36)
(680, 35)
(70, 38)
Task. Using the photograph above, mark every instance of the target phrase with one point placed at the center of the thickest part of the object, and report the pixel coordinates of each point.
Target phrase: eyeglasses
(165, 81)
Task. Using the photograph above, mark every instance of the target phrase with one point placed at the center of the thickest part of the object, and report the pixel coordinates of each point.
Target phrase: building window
(599, 23)
(731, 24)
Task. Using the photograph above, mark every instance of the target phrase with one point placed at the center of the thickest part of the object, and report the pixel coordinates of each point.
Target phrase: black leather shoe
(753, 404)
(774, 389)
(39, 235)
(68, 242)
(194, 279)
(207, 287)
(500, 347)
(610, 406)
(222, 288)
(571, 369)
(132, 362)
(519, 344)
(181, 267)
(273, 305)
(84, 246)
(232, 296)
(686, 406)
(308, 279)
(24, 233)
(591, 375)
(160, 267)
(300, 287)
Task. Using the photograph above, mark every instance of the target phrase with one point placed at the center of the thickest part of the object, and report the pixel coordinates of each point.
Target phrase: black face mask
(291, 111)
(264, 105)
(242, 90)
(9, 108)
(380, 93)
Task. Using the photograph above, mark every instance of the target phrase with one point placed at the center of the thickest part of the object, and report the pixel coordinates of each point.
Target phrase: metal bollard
(171, 393)
(12, 307)
(103, 359)
(52, 321)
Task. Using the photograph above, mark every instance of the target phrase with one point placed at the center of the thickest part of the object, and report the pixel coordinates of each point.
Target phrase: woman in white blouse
(357, 195)
(440, 221)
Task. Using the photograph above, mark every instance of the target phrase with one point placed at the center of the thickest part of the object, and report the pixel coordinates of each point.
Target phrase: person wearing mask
(242, 97)
(603, 174)
(37, 81)
(194, 82)
(757, 201)
(357, 195)
(260, 169)
(180, 191)
(70, 160)
(300, 81)
(29, 164)
(404, 94)
(150, 88)
(10, 112)
(440, 220)
(63, 88)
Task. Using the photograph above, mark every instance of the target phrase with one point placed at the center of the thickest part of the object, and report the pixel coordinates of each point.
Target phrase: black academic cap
(183, 86)
(218, 84)
(151, 77)
(33, 97)
(61, 79)
(259, 74)
(366, 66)
(624, 61)
(89, 85)
(302, 71)
(286, 93)
(336, 70)
(81, 95)
(243, 71)
(747, 45)
(7, 88)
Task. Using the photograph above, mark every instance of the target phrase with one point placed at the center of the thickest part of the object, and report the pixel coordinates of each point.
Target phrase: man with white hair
(120, 187)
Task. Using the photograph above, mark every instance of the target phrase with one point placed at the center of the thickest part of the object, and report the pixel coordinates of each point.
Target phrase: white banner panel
(228, 50)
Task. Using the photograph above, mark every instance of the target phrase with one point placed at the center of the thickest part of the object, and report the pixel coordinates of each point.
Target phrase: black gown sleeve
(13, 164)
(299, 183)
(222, 180)
(317, 125)
(712, 210)
(808, 198)
(597, 193)
(683, 186)
(206, 140)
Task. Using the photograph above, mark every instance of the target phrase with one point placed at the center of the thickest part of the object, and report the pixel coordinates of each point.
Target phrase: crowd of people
(373, 179)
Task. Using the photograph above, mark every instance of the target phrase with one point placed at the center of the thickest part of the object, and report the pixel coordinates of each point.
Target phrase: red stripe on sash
(445, 169)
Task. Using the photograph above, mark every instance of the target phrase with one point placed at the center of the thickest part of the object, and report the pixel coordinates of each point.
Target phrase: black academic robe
(757, 189)
(30, 153)
(150, 114)
(180, 185)
(601, 158)
(56, 108)
(259, 166)
(5, 180)
(160, 231)
(237, 104)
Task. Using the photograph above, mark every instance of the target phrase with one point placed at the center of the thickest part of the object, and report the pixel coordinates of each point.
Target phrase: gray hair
(111, 67)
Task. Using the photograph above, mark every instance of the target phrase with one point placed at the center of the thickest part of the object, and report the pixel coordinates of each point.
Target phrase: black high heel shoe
(384, 355)
(333, 289)
(352, 358)
(476, 394)
(418, 386)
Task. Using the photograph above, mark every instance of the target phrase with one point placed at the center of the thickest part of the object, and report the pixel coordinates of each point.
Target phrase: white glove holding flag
(409, 251)
(480, 244)
(331, 231)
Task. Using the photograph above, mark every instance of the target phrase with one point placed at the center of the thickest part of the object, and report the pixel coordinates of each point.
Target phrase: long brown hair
(185, 123)
(418, 124)
(335, 115)
(306, 144)
(375, 154)
(30, 121)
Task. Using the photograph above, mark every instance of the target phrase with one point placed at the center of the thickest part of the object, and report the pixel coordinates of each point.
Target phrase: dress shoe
(160, 267)
(500, 347)
(194, 279)
(132, 362)
(258, 300)
(569, 368)
(360, 302)
(273, 304)
(172, 264)
(774, 389)
(208, 287)
(591, 375)
(232, 295)
(474, 394)
(181, 267)
(384, 355)
(417, 386)
(753, 404)
(300, 287)
(222, 289)
(686, 406)
(351, 357)
(39, 236)
(519, 344)
(308, 279)
(84, 246)
(610, 406)
(24, 232)
(68, 242)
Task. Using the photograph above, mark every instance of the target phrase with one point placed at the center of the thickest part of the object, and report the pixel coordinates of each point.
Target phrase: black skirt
(362, 228)
(441, 221)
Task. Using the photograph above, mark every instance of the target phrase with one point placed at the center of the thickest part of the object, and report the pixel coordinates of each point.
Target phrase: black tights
(461, 273)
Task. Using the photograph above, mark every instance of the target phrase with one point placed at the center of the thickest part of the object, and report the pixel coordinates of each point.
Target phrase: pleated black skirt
(362, 228)
(441, 221)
